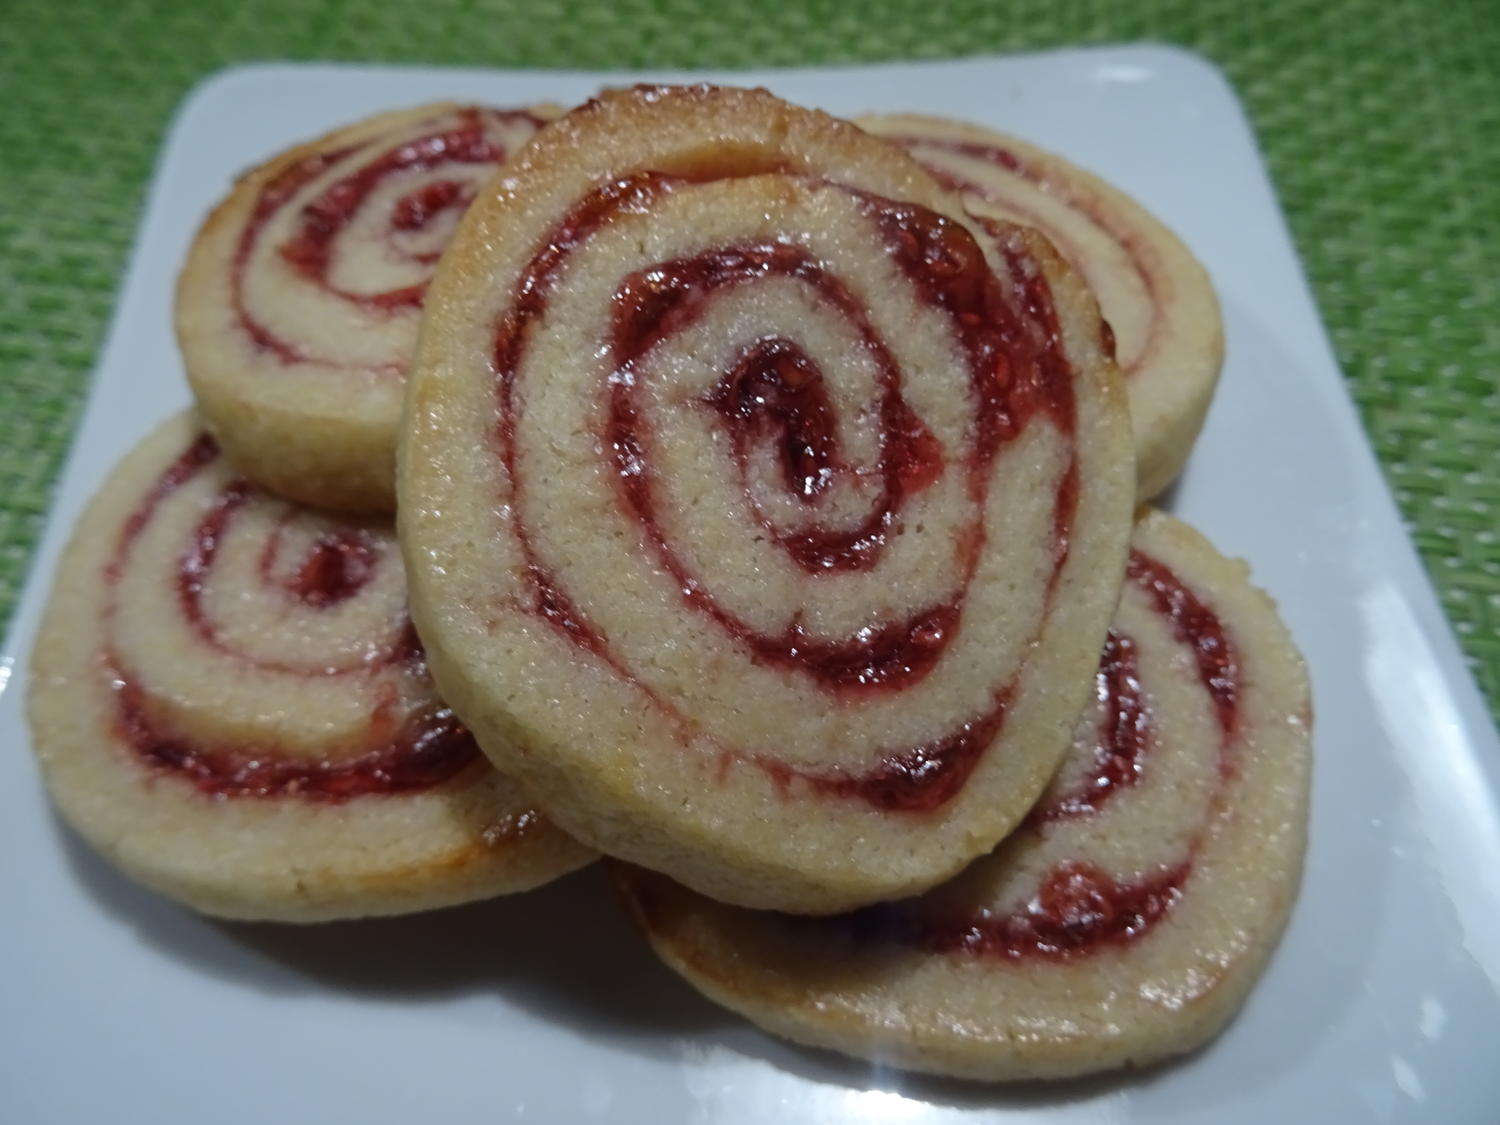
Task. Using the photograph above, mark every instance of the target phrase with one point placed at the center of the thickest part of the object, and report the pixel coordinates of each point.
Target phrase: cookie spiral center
(229, 560)
(823, 451)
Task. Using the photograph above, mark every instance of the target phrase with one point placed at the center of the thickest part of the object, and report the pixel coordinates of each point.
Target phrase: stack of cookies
(766, 491)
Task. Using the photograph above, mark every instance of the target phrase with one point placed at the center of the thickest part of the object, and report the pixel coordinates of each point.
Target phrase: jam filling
(320, 222)
(652, 304)
(1079, 909)
(337, 567)
(1120, 233)
(416, 209)
(1199, 628)
(1124, 737)
(1049, 373)
(423, 749)
(918, 780)
(774, 398)
(428, 749)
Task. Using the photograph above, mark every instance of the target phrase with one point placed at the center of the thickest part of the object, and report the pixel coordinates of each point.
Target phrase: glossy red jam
(1076, 911)
(1123, 236)
(337, 568)
(923, 778)
(1200, 629)
(773, 402)
(424, 749)
(1123, 739)
(309, 247)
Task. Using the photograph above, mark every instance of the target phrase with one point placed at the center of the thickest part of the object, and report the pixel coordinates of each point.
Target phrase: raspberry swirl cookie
(229, 703)
(1129, 916)
(763, 514)
(298, 307)
(1155, 295)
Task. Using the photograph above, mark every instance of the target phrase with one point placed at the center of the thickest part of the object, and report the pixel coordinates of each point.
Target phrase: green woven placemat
(1381, 122)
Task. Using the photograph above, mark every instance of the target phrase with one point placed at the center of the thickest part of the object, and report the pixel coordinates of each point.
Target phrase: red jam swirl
(426, 748)
(667, 298)
(918, 780)
(1125, 728)
(417, 208)
(1045, 383)
(1119, 232)
(337, 568)
(431, 747)
(774, 397)
(309, 248)
(1200, 629)
(1079, 909)
(1124, 737)
(528, 304)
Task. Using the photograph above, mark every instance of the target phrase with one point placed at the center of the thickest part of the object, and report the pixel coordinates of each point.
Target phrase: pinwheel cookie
(1128, 918)
(1154, 294)
(763, 513)
(229, 703)
(297, 310)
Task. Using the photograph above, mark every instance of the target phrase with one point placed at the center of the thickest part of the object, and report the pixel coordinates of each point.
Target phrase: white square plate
(1381, 1003)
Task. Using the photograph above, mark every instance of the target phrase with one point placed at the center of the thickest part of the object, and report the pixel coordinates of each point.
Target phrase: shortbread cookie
(763, 514)
(297, 310)
(1155, 295)
(229, 702)
(1124, 922)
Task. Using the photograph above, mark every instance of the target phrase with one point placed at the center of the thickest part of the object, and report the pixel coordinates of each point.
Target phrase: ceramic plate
(1380, 1004)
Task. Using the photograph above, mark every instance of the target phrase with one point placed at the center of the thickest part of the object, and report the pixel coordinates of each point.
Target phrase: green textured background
(1381, 122)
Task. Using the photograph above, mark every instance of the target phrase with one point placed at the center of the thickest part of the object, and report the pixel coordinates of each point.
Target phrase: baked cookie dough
(764, 514)
(298, 307)
(229, 703)
(1154, 294)
(1125, 922)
